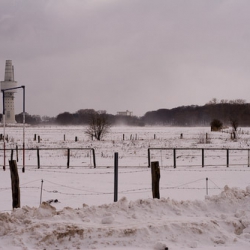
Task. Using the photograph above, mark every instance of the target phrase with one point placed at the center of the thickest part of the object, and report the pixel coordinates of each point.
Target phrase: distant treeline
(180, 116)
(200, 115)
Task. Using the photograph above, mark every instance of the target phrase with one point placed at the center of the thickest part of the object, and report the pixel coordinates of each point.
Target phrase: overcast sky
(117, 55)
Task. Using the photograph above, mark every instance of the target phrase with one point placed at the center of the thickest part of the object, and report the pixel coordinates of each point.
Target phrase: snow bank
(222, 220)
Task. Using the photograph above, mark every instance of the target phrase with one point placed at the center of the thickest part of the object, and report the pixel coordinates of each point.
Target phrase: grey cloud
(135, 54)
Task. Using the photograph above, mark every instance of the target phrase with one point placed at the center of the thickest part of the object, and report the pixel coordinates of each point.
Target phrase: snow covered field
(192, 213)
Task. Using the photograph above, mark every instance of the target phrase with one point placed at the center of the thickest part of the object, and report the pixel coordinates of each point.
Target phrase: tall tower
(9, 94)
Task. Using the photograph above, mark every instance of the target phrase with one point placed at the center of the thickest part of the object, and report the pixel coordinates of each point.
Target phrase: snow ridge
(220, 220)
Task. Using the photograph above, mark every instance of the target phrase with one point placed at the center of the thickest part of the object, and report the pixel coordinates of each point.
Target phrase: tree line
(200, 115)
(192, 115)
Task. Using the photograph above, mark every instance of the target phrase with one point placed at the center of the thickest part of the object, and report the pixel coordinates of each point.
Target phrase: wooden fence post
(16, 153)
(149, 160)
(38, 138)
(174, 155)
(202, 157)
(116, 177)
(38, 158)
(94, 162)
(248, 158)
(68, 159)
(11, 155)
(155, 172)
(227, 157)
(14, 184)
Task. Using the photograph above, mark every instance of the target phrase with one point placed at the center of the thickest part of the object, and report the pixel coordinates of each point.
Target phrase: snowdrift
(222, 220)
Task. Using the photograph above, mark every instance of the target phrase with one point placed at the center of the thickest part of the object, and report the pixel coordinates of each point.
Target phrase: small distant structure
(125, 113)
(9, 94)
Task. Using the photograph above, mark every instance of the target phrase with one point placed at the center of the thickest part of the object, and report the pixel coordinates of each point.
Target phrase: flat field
(195, 165)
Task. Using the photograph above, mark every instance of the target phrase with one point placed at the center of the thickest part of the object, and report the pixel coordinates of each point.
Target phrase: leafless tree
(234, 123)
(98, 126)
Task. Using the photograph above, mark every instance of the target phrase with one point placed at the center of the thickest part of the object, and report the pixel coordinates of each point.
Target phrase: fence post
(14, 184)
(41, 194)
(38, 158)
(155, 173)
(207, 186)
(38, 138)
(16, 153)
(64, 137)
(11, 155)
(34, 137)
(202, 157)
(248, 158)
(149, 157)
(94, 162)
(227, 157)
(123, 137)
(174, 153)
(68, 158)
(116, 178)
(76, 138)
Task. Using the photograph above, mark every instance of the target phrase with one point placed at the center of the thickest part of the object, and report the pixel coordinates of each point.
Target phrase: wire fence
(69, 186)
(91, 157)
(204, 157)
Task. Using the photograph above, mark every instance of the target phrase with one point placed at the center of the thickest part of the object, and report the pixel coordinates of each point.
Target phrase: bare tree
(234, 123)
(98, 126)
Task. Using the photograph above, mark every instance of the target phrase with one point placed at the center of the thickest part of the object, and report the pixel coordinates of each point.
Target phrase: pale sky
(117, 55)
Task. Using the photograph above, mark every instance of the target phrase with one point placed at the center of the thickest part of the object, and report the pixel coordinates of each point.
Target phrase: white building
(125, 113)
(9, 94)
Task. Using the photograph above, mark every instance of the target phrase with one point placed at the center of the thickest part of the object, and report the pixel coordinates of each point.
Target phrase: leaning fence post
(227, 157)
(38, 158)
(174, 153)
(14, 184)
(68, 158)
(116, 178)
(155, 173)
(94, 162)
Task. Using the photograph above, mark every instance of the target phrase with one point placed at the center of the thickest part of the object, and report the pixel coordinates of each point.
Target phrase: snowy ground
(192, 213)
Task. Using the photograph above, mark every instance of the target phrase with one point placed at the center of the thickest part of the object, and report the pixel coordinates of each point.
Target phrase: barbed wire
(4, 189)
(215, 184)
(29, 182)
(203, 170)
(109, 172)
(59, 192)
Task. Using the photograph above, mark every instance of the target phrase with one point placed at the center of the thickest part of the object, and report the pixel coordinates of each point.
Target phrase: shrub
(216, 125)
